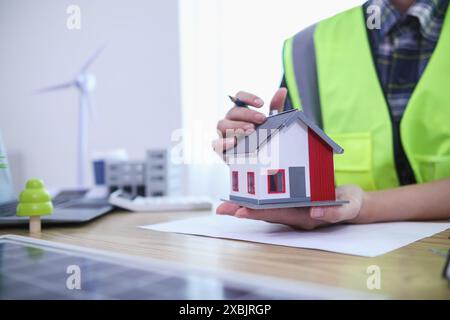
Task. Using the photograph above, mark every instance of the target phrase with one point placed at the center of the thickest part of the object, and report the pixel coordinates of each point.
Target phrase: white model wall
(288, 148)
(292, 152)
(247, 165)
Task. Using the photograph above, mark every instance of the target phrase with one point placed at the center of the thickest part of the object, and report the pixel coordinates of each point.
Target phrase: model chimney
(273, 112)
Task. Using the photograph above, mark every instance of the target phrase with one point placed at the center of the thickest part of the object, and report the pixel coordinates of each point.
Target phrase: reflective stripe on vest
(354, 110)
(299, 52)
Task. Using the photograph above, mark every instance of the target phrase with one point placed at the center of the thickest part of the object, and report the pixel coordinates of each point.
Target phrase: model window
(251, 182)
(235, 181)
(276, 181)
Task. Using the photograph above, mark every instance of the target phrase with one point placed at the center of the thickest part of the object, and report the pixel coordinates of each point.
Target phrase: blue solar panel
(30, 270)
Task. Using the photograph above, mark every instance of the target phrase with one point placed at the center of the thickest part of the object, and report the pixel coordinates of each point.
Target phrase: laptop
(70, 206)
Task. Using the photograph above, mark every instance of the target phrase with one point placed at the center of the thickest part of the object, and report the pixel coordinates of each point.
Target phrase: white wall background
(226, 46)
(137, 92)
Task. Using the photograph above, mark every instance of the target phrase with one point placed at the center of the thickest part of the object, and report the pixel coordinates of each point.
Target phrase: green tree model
(2, 164)
(34, 202)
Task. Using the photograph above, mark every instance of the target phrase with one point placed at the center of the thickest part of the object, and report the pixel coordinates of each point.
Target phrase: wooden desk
(412, 272)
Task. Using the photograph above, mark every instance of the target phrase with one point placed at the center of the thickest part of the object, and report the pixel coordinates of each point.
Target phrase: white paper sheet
(368, 240)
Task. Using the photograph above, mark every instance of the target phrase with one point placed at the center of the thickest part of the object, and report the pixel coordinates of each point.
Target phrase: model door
(297, 182)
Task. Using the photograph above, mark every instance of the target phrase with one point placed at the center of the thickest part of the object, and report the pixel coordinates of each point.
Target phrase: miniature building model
(150, 178)
(286, 162)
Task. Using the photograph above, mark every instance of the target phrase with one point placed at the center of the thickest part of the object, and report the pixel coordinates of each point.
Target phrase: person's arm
(429, 201)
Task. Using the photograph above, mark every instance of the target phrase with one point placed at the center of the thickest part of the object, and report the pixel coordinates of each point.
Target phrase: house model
(286, 162)
(153, 177)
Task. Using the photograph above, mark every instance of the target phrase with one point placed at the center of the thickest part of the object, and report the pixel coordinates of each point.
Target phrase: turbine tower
(85, 82)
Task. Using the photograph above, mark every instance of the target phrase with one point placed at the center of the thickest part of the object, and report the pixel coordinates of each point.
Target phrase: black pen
(238, 102)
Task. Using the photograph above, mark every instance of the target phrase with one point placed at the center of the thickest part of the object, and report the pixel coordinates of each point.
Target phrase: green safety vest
(329, 68)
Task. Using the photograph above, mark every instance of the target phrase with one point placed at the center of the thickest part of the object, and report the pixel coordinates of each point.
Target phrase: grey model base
(255, 206)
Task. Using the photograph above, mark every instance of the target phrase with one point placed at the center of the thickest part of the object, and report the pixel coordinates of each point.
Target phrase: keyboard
(126, 201)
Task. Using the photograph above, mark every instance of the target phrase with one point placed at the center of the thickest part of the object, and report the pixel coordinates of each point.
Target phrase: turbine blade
(56, 87)
(92, 58)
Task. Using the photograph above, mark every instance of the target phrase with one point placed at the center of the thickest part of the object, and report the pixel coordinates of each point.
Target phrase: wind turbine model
(85, 83)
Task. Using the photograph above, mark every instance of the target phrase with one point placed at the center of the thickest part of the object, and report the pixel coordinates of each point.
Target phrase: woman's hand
(306, 218)
(241, 121)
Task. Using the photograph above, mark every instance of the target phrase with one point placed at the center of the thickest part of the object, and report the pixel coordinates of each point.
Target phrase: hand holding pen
(242, 120)
(238, 102)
